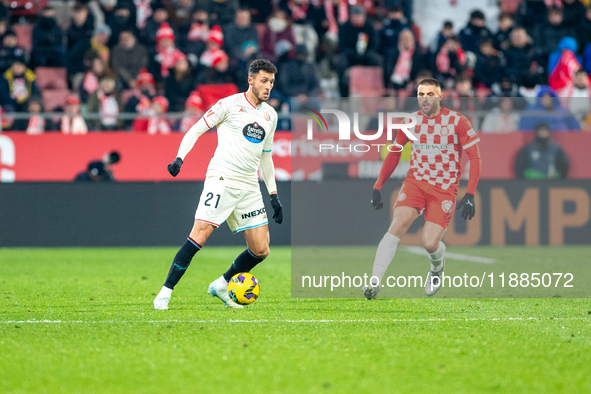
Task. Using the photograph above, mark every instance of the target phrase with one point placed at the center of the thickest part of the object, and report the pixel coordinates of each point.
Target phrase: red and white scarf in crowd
(143, 12)
(299, 12)
(168, 58)
(36, 125)
(198, 32)
(342, 17)
(401, 73)
(158, 124)
(462, 103)
(90, 83)
(563, 74)
(73, 125)
(212, 57)
(442, 61)
(109, 109)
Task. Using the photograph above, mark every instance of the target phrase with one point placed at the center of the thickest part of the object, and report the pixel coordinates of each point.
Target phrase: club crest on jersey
(447, 206)
(254, 132)
(444, 130)
(267, 116)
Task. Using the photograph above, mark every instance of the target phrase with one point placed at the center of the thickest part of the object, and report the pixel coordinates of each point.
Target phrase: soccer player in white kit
(245, 126)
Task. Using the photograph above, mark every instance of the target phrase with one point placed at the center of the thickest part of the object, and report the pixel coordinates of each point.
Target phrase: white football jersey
(244, 133)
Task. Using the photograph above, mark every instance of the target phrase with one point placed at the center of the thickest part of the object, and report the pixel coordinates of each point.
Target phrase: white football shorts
(243, 209)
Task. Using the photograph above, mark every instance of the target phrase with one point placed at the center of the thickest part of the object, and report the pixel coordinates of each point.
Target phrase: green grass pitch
(81, 321)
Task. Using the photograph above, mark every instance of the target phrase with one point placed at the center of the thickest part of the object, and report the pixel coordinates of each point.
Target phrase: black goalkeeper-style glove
(277, 209)
(469, 208)
(175, 167)
(376, 199)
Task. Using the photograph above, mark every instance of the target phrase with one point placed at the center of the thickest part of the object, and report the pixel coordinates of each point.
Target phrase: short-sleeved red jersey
(436, 154)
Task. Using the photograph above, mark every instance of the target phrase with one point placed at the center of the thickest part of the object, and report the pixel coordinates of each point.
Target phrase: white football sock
(437, 257)
(165, 292)
(384, 255)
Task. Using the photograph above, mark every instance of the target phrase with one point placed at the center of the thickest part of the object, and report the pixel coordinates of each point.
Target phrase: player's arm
(469, 141)
(388, 166)
(268, 170)
(213, 117)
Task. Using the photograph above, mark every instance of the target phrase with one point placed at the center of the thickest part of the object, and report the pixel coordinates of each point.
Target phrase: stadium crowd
(152, 57)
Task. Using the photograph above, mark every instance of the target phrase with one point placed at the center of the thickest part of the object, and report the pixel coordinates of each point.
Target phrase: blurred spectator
(36, 124)
(542, 158)
(98, 45)
(143, 12)
(47, 41)
(337, 14)
(106, 102)
(128, 58)
(120, 18)
(520, 58)
(501, 119)
(180, 13)
(194, 42)
(488, 64)
(502, 38)
(548, 109)
(278, 28)
(357, 46)
(179, 85)
(250, 52)
(505, 88)
(530, 13)
(259, 10)
(95, 172)
(222, 12)
(109, 159)
(393, 25)
(583, 31)
(451, 60)
(474, 32)
(72, 122)
(10, 50)
(90, 82)
(446, 32)
(299, 79)
(158, 124)
(577, 95)
(573, 12)
(193, 112)
(312, 13)
(81, 27)
(303, 29)
(165, 55)
(387, 104)
(214, 61)
(562, 64)
(4, 27)
(239, 32)
(403, 62)
(547, 35)
(462, 98)
(17, 86)
(149, 33)
(141, 100)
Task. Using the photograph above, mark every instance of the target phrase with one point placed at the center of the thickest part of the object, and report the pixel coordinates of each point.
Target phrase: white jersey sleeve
(268, 147)
(218, 112)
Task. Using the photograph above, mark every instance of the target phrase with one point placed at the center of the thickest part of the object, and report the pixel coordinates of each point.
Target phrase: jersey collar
(246, 97)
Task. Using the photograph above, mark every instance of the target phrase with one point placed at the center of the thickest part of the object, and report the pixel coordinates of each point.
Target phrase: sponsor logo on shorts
(401, 197)
(447, 206)
(254, 213)
(254, 133)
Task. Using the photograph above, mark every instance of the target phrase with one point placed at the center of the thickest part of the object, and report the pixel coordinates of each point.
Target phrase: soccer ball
(243, 288)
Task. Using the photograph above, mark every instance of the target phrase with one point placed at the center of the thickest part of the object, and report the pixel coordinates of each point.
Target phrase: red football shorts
(438, 205)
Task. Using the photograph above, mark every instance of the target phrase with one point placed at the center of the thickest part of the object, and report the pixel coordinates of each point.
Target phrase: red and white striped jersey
(436, 154)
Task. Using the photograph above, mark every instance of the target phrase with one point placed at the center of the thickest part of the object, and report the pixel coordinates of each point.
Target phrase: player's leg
(408, 205)
(439, 211)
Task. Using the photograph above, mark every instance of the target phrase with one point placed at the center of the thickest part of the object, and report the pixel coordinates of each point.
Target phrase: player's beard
(257, 93)
(433, 108)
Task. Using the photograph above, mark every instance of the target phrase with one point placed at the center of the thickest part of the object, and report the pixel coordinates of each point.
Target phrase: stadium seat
(366, 81)
(210, 94)
(52, 78)
(54, 98)
(24, 34)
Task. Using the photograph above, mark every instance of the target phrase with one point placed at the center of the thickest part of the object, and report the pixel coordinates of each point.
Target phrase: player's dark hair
(430, 82)
(261, 65)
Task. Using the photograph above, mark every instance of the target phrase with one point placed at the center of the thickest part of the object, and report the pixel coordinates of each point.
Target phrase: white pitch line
(493, 319)
(455, 256)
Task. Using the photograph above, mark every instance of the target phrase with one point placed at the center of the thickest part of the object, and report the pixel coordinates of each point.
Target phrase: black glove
(469, 208)
(277, 209)
(376, 199)
(175, 167)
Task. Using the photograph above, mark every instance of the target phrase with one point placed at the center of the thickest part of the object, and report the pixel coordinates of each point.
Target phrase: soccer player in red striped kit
(431, 184)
